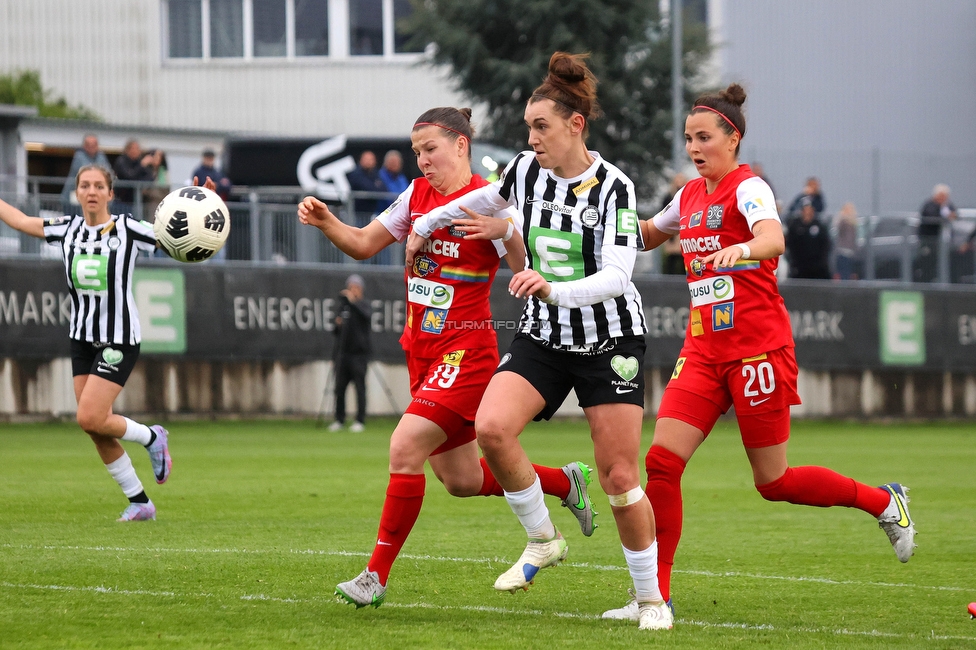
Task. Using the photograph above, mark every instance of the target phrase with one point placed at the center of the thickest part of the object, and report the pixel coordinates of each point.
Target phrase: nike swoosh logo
(579, 505)
(621, 391)
(903, 516)
(428, 388)
(100, 369)
(757, 402)
(383, 544)
(417, 214)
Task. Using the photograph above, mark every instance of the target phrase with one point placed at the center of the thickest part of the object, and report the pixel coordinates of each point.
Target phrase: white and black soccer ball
(192, 224)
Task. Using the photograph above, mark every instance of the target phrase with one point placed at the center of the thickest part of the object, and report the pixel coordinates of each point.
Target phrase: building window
(311, 27)
(269, 22)
(185, 29)
(249, 29)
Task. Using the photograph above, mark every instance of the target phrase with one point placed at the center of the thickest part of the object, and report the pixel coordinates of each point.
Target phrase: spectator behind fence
(206, 170)
(89, 154)
(394, 180)
(935, 214)
(672, 261)
(808, 244)
(845, 243)
(134, 165)
(810, 191)
(365, 178)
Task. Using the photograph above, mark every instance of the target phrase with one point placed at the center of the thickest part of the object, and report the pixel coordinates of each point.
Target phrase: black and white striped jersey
(98, 264)
(573, 229)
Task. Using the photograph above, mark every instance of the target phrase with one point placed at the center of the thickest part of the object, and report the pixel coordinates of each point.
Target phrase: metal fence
(265, 229)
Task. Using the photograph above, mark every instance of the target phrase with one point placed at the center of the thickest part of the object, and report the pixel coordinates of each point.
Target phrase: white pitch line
(496, 610)
(496, 560)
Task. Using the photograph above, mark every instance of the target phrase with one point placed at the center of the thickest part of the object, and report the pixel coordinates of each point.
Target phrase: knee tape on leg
(628, 498)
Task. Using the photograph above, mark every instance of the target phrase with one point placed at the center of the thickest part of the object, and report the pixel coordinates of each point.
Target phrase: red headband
(720, 114)
(441, 126)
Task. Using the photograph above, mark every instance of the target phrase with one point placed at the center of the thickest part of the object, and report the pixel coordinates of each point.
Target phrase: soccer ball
(192, 224)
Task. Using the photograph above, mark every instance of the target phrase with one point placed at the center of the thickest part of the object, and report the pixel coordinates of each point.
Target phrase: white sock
(529, 505)
(135, 432)
(125, 475)
(643, 570)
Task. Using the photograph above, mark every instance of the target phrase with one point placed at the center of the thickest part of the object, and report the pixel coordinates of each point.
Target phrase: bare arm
(357, 243)
(17, 220)
(767, 243)
(653, 237)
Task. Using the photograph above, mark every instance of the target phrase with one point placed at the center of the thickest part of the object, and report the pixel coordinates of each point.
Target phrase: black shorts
(107, 360)
(613, 374)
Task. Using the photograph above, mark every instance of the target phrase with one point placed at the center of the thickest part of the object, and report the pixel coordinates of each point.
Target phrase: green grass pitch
(261, 519)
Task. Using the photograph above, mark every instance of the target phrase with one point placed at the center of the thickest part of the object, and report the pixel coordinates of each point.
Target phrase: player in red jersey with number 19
(739, 346)
(450, 344)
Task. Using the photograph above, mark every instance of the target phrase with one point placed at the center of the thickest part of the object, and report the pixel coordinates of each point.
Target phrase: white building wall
(107, 55)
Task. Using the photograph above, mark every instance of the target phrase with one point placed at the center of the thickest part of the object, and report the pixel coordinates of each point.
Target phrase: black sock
(139, 498)
(152, 438)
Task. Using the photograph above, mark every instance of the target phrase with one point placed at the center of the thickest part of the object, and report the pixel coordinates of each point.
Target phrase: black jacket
(352, 325)
(808, 245)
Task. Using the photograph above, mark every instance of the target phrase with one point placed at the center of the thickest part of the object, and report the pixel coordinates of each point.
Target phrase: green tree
(24, 88)
(498, 51)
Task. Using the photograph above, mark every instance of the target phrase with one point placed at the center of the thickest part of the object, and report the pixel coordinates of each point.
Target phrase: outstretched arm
(17, 220)
(357, 243)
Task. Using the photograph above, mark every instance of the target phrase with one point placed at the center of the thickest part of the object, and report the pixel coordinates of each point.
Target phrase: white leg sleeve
(529, 506)
(643, 570)
(125, 475)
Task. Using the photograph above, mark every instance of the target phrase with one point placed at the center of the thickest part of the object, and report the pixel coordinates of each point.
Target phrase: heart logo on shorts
(626, 367)
(111, 356)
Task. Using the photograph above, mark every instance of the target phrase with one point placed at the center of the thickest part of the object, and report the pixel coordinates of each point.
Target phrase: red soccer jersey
(735, 313)
(448, 292)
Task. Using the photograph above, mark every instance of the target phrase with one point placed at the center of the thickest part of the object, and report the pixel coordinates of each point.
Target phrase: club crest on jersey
(424, 266)
(434, 320)
(714, 219)
(695, 220)
(722, 316)
(590, 216)
(114, 243)
(697, 267)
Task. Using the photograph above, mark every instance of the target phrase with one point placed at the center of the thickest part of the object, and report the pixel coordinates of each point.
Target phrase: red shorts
(447, 390)
(700, 392)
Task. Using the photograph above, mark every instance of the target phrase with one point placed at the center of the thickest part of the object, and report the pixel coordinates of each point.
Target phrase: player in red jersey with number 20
(738, 348)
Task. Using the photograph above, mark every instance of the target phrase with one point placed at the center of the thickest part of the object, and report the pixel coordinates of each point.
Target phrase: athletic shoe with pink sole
(138, 512)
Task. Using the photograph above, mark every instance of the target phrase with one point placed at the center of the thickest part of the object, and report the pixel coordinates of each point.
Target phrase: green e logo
(560, 254)
(626, 221)
(89, 272)
(901, 323)
(161, 302)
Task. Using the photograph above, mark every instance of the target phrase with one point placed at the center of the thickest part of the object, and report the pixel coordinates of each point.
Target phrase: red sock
(664, 470)
(554, 481)
(822, 487)
(404, 496)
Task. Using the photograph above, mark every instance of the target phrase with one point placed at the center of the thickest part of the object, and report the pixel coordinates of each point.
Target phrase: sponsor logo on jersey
(695, 220)
(585, 185)
(678, 365)
(711, 290)
(89, 273)
(753, 205)
(590, 216)
(557, 207)
(56, 221)
(434, 320)
(394, 205)
(697, 267)
(713, 221)
(559, 254)
(429, 294)
(424, 266)
(626, 221)
(722, 316)
(708, 244)
(453, 358)
(456, 233)
(696, 323)
(445, 248)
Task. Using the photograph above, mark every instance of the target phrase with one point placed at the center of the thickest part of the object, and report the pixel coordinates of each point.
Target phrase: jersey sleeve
(668, 220)
(142, 234)
(755, 201)
(511, 215)
(55, 229)
(484, 200)
(396, 218)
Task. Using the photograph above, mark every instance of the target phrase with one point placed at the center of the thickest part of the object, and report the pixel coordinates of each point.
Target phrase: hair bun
(567, 68)
(734, 94)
